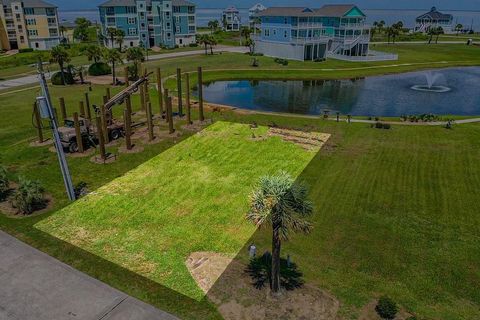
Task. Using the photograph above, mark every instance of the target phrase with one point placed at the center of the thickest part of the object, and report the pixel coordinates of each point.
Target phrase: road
(32, 79)
(35, 286)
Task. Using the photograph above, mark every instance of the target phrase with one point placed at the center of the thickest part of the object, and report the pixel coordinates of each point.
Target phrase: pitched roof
(31, 3)
(333, 10)
(231, 9)
(435, 15)
(131, 3)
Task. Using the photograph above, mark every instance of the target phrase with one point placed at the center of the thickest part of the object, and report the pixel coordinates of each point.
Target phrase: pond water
(388, 96)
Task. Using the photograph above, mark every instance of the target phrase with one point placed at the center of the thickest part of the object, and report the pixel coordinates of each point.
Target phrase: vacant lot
(190, 198)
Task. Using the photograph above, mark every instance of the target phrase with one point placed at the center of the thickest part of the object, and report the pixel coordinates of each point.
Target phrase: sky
(365, 4)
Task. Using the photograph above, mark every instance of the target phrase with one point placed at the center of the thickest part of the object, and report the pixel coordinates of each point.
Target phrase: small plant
(4, 182)
(255, 62)
(81, 189)
(283, 62)
(29, 196)
(386, 308)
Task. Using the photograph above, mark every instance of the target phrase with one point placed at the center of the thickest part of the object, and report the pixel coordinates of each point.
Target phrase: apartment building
(28, 24)
(149, 23)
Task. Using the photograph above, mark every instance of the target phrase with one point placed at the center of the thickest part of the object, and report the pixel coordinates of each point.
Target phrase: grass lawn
(396, 210)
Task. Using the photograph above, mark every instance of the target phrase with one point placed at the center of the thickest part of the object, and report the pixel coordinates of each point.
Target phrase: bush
(283, 62)
(387, 126)
(25, 50)
(4, 182)
(386, 308)
(29, 196)
(193, 45)
(58, 81)
(99, 69)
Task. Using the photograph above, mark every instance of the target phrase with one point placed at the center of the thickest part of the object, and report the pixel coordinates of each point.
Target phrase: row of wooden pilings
(102, 119)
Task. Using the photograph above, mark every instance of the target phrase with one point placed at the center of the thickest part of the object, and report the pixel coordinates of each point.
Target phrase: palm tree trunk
(62, 74)
(113, 73)
(430, 40)
(206, 48)
(276, 246)
(211, 49)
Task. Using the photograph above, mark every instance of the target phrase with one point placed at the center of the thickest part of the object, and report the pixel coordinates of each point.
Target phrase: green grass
(396, 210)
(190, 198)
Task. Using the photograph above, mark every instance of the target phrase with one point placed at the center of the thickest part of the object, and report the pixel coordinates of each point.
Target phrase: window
(17, 16)
(180, 41)
(132, 31)
(50, 11)
(37, 45)
(132, 20)
(111, 21)
(192, 29)
(28, 11)
(110, 11)
(142, 26)
(32, 32)
(274, 32)
(22, 39)
(52, 21)
(191, 9)
(285, 21)
(267, 32)
(142, 15)
(285, 34)
(191, 19)
(16, 8)
(131, 10)
(131, 43)
(20, 28)
(53, 32)
(176, 9)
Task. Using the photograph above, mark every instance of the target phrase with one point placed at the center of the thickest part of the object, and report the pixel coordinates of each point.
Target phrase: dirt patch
(155, 140)
(368, 312)
(103, 80)
(228, 286)
(307, 140)
(85, 154)
(41, 144)
(110, 158)
(135, 149)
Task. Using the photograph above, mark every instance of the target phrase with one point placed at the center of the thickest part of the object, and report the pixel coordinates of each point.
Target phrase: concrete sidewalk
(33, 79)
(35, 286)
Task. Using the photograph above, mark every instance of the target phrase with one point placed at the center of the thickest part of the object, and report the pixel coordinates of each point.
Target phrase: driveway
(26, 80)
(35, 286)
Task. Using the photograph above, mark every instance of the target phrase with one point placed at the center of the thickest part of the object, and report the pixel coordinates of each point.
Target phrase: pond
(453, 91)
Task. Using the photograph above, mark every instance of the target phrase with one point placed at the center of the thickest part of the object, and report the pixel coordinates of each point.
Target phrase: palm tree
(203, 39)
(112, 33)
(94, 53)
(245, 32)
(136, 56)
(59, 55)
(431, 32)
(280, 202)
(119, 38)
(250, 43)
(458, 28)
(113, 57)
(213, 25)
(62, 29)
(438, 32)
(212, 41)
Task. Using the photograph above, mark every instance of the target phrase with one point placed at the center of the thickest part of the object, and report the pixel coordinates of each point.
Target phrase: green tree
(438, 32)
(61, 56)
(113, 57)
(119, 37)
(245, 32)
(203, 39)
(458, 28)
(93, 52)
(213, 25)
(250, 43)
(81, 29)
(136, 56)
(282, 204)
(111, 34)
(212, 42)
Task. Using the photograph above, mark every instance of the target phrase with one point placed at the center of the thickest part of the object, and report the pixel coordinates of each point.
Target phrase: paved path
(31, 79)
(35, 286)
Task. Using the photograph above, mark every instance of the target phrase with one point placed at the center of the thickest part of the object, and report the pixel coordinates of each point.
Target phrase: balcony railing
(305, 25)
(355, 26)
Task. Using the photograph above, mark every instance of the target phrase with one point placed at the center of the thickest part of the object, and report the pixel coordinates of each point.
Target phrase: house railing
(305, 25)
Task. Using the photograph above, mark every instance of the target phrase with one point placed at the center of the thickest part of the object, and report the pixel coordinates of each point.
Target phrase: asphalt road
(35, 286)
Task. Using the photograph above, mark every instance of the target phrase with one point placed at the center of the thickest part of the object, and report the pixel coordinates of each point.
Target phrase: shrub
(58, 81)
(379, 125)
(283, 62)
(81, 189)
(387, 126)
(25, 50)
(386, 308)
(29, 196)
(99, 69)
(193, 45)
(4, 182)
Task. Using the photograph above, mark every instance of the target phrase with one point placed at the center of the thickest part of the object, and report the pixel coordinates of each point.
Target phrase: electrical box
(43, 108)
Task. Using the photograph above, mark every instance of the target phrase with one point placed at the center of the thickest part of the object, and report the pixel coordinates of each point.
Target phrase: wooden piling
(38, 122)
(87, 105)
(165, 94)
(101, 139)
(103, 115)
(187, 92)
(142, 97)
(105, 99)
(128, 128)
(160, 91)
(128, 105)
(125, 77)
(200, 94)
(171, 129)
(81, 108)
(63, 109)
(179, 92)
(149, 122)
(108, 93)
(78, 132)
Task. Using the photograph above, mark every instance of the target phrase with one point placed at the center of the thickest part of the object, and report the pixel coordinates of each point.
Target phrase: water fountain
(430, 86)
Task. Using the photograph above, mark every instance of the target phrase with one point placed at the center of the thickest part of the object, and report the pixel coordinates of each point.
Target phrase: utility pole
(46, 111)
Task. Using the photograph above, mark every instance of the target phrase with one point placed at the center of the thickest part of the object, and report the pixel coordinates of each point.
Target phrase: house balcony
(354, 26)
(310, 40)
(309, 25)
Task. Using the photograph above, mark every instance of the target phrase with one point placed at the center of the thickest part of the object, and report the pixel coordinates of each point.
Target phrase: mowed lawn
(192, 197)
